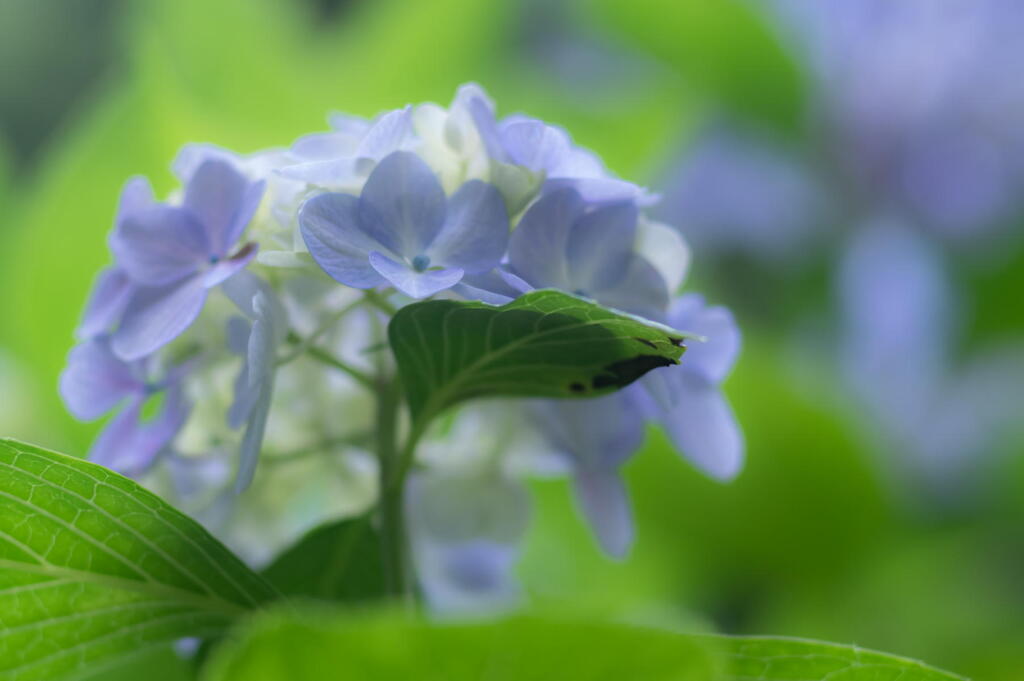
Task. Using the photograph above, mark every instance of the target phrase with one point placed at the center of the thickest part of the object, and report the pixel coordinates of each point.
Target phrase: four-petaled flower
(403, 231)
(174, 255)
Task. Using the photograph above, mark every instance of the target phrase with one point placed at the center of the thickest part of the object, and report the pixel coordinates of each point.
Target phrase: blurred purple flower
(895, 308)
(897, 311)
(925, 101)
(465, 530)
(564, 243)
(403, 231)
(736, 191)
(173, 255)
(96, 381)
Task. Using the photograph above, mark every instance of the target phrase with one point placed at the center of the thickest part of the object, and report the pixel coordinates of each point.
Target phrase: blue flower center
(420, 263)
(214, 259)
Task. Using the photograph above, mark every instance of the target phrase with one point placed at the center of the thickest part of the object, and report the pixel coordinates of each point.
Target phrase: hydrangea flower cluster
(239, 334)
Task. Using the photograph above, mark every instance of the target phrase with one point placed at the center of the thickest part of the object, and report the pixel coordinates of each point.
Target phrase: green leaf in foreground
(314, 645)
(339, 561)
(543, 344)
(789, 659)
(94, 567)
(299, 646)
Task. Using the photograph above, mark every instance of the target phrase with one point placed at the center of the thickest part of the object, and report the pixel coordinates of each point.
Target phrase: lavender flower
(97, 381)
(465, 529)
(562, 242)
(403, 231)
(174, 255)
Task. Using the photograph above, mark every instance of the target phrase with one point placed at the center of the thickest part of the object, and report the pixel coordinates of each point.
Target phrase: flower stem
(392, 527)
(330, 360)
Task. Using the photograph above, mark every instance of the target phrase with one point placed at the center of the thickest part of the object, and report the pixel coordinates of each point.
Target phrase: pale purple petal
(156, 316)
(603, 500)
(387, 134)
(480, 566)
(238, 332)
(136, 196)
(537, 246)
(110, 295)
(159, 245)
(714, 357)
(325, 146)
(597, 190)
(252, 440)
(114, 444)
(412, 283)
(153, 437)
(639, 289)
(490, 287)
(95, 380)
(403, 204)
(475, 233)
(596, 434)
(531, 143)
(223, 201)
(703, 428)
(335, 238)
(238, 329)
(129, 445)
(600, 246)
(191, 156)
(328, 173)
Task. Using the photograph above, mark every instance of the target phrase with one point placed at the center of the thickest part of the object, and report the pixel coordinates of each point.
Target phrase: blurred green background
(816, 538)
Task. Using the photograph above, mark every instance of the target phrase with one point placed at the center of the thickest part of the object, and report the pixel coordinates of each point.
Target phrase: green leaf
(296, 646)
(789, 659)
(543, 344)
(94, 567)
(337, 561)
(315, 645)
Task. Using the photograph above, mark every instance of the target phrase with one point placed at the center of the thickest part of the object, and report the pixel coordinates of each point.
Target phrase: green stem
(303, 344)
(392, 526)
(380, 302)
(330, 360)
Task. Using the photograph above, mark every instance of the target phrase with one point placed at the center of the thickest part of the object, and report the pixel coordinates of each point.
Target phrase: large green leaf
(543, 344)
(93, 567)
(338, 561)
(310, 646)
(789, 659)
(301, 646)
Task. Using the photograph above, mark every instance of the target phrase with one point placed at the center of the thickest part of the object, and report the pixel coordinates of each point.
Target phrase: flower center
(420, 263)
(214, 259)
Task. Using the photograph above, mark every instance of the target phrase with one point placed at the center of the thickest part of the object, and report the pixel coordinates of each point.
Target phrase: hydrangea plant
(296, 348)
(283, 264)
